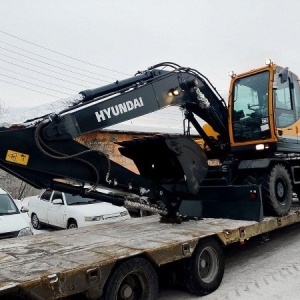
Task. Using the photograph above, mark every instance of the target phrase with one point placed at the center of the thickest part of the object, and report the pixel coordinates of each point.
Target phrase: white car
(12, 222)
(64, 210)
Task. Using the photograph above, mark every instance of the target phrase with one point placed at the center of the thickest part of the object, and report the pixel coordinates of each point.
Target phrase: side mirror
(284, 75)
(24, 209)
(57, 201)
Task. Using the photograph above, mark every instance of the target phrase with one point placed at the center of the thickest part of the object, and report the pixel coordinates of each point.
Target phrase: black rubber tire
(132, 279)
(277, 191)
(72, 224)
(36, 224)
(203, 272)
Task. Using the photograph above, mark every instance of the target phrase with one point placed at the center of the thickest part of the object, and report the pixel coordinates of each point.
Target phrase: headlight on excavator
(268, 62)
(174, 92)
(261, 146)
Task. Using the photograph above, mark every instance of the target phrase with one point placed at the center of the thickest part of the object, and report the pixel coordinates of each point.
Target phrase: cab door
(295, 91)
(286, 112)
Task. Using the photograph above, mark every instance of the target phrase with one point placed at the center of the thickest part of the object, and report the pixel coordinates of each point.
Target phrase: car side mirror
(57, 201)
(24, 209)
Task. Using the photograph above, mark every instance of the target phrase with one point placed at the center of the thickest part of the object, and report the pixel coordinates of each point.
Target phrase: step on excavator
(244, 163)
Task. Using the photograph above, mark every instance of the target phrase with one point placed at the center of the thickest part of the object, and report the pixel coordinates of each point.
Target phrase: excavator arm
(45, 154)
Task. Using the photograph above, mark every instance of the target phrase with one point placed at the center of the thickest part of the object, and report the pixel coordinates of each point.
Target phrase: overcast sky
(211, 36)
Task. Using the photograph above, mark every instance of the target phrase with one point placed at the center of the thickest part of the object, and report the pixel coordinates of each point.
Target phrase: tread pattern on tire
(39, 223)
(270, 202)
(126, 267)
(192, 280)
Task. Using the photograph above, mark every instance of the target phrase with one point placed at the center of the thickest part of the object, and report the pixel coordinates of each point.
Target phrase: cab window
(283, 96)
(285, 112)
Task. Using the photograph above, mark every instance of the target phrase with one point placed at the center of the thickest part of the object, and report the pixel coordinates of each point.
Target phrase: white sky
(213, 37)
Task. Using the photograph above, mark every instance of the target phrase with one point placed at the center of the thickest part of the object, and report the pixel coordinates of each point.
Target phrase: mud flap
(227, 202)
(168, 160)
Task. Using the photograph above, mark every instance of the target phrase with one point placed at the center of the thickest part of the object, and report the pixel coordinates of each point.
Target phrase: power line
(26, 88)
(59, 53)
(41, 61)
(11, 51)
(26, 76)
(34, 84)
(43, 73)
(56, 61)
(45, 68)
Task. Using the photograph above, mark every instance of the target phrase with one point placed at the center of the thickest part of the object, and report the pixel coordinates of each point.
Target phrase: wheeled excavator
(243, 164)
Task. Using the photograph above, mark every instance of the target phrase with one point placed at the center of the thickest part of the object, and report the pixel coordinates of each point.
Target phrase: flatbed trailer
(102, 260)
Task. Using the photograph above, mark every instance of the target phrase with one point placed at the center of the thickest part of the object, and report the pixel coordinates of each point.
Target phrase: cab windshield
(7, 205)
(250, 108)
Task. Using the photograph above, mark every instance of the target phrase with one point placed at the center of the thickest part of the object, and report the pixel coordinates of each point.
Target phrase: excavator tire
(277, 191)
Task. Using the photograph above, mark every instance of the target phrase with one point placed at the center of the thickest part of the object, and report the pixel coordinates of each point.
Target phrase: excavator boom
(45, 154)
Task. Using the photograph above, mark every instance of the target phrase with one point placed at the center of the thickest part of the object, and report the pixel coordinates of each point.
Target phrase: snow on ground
(257, 271)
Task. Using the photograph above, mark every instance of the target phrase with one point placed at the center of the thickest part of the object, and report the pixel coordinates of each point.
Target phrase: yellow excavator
(247, 165)
(264, 137)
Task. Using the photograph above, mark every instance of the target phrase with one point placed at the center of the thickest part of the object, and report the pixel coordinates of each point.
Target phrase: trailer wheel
(277, 191)
(203, 272)
(133, 279)
(35, 222)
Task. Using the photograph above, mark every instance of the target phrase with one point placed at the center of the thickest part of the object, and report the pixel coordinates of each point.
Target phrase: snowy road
(268, 270)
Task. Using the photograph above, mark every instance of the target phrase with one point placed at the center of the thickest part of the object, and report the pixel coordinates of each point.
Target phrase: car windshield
(76, 199)
(250, 108)
(7, 205)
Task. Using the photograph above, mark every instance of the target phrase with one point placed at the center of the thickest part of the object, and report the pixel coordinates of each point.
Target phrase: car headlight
(96, 218)
(124, 213)
(25, 231)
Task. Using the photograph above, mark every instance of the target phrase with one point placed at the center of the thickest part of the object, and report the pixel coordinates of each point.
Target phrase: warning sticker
(17, 157)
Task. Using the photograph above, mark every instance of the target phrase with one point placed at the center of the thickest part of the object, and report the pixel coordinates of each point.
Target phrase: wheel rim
(208, 264)
(133, 287)
(280, 190)
(72, 225)
(35, 221)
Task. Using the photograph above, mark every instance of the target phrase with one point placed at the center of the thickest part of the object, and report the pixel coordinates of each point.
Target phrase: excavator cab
(264, 110)
(264, 120)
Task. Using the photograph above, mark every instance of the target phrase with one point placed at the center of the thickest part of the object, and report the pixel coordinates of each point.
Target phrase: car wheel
(72, 224)
(35, 222)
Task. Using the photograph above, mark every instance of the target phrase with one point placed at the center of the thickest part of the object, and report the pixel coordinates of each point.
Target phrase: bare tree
(16, 187)
(3, 109)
